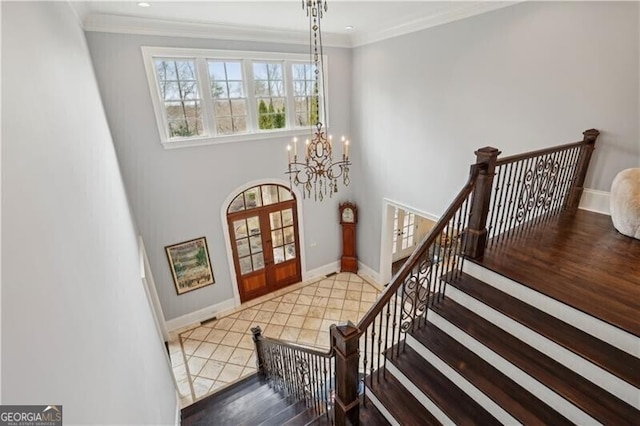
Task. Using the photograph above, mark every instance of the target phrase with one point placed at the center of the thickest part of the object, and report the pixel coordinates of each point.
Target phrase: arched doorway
(263, 229)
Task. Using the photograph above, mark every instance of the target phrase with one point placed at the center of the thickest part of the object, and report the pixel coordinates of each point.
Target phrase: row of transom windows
(218, 95)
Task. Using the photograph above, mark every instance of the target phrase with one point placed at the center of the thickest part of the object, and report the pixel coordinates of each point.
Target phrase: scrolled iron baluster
(395, 322)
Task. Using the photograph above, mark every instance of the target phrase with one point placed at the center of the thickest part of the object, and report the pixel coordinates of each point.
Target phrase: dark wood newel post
(257, 333)
(476, 233)
(584, 159)
(345, 341)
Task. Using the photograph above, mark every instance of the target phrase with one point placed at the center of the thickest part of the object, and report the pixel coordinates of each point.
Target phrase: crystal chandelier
(316, 171)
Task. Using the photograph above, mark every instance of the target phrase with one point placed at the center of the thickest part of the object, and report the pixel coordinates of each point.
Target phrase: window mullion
(252, 104)
(204, 81)
(289, 93)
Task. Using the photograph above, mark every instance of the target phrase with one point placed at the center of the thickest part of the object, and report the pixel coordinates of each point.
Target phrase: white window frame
(149, 54)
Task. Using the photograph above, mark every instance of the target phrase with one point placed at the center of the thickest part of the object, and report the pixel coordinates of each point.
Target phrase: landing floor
(577, 258)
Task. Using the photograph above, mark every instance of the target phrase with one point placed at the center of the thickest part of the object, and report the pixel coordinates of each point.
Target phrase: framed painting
(190, 265)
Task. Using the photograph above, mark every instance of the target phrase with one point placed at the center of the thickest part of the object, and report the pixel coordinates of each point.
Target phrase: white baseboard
(200, 315)
(594, 200)
(322, 271)
(369, 273)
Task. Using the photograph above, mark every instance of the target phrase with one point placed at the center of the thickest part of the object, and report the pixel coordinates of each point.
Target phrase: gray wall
(178, 194)
(77, 329)
(520, 78)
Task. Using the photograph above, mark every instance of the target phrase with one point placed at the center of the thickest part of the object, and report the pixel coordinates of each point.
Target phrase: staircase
(516, 308)
(485, 357)
(249, 402)
(253, 401)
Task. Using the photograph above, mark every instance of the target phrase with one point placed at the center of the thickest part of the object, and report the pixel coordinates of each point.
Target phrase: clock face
(347, 214)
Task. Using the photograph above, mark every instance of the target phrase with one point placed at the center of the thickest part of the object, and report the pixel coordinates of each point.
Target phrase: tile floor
(209, 356)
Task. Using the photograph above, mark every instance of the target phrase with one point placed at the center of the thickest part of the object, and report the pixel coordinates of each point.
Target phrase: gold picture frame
(190, 265)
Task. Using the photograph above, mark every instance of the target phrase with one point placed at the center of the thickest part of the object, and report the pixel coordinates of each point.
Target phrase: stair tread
(617, 362)
(585, 395)
(285, 414)
(220, 399)
(258, 410)
(370, 415)
(397, 399)
(301, 419)
(452, 400)
(232, 408)
(513, 398)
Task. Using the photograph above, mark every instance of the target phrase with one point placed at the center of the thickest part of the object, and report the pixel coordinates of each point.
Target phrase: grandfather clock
(348, 220)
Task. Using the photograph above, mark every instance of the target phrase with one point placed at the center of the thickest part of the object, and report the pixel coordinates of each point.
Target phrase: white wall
(528, 76)
(178, 194)
(77, 329)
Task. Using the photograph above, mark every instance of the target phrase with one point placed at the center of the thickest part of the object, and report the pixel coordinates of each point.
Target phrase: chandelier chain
(318, 173)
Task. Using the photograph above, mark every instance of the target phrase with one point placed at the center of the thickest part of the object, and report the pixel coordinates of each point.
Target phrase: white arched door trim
(227, 238)
(386, 234)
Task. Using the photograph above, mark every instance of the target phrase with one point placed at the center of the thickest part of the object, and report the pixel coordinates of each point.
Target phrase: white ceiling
(370, 19)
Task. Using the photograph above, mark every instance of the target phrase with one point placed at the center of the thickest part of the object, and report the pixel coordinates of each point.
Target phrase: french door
(404, 233)
(264, 239)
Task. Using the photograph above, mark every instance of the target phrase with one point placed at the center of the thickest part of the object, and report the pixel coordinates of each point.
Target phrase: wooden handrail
(301, 348)
(532, 154)
(423, 247)
(590, 137)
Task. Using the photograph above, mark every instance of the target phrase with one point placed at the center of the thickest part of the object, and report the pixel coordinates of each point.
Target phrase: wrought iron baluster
(379, 343)
(508, 202)
(513, 202)
(395, 323)
(498, 182)
(386, 336)
(364, 359)
(465, 224)
(373, 339)
(569, 176)
(562, 176)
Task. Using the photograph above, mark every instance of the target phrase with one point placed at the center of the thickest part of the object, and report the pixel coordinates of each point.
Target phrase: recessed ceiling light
(349, 28)
(144, 4)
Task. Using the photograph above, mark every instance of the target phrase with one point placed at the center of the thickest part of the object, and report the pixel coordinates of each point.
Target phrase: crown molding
(464, 11)
(158, 27)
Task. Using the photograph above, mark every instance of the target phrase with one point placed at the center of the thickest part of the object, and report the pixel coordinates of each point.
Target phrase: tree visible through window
(179, 91)
(305, 89)
(269, 91)
(227, 90)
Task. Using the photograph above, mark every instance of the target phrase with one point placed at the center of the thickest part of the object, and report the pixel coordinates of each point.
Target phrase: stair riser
(587, 323)
(479, 396)
(417, 394)
(545, 394)
(586, 369)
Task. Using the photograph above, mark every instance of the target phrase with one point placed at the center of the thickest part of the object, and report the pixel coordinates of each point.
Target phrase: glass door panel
(283, 238)
(248, 240)
(408, 228)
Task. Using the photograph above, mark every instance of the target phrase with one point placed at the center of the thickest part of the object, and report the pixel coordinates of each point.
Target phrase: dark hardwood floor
(577, 258)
